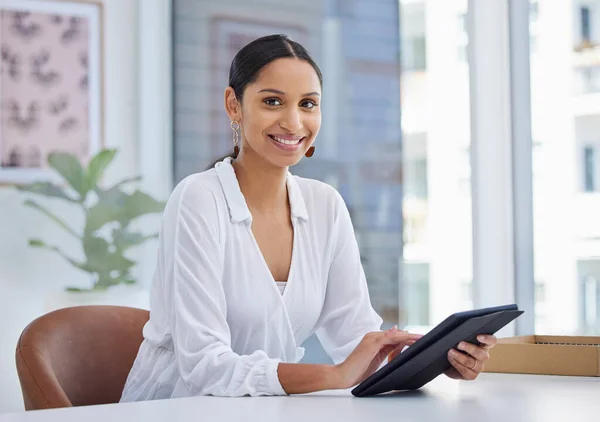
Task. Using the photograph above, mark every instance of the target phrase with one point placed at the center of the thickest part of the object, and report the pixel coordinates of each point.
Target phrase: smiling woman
(252, 260)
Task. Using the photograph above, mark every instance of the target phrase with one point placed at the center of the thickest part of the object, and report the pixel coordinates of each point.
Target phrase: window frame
(501, 156)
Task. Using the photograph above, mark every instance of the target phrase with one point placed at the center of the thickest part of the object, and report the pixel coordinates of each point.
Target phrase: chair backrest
(78, 356)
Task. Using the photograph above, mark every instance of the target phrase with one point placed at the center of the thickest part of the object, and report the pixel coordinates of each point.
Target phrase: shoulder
(320, 197)
(199, 192)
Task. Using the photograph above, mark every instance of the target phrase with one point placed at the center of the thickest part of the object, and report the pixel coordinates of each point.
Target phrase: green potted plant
(107, 234)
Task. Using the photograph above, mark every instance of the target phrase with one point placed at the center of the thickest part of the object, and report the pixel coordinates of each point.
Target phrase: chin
(282, 161)
(285, 158)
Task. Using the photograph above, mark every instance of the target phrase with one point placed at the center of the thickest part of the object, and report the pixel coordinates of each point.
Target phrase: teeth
(285, 141)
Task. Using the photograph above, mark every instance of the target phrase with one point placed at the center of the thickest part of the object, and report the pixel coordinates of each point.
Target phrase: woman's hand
(370, 354)
(468, 366)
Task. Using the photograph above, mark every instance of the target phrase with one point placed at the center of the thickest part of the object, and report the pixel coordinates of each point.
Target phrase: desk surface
(491, 398)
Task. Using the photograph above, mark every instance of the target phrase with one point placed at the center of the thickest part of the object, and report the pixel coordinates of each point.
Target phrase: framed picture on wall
(50, 84)
(229, 35)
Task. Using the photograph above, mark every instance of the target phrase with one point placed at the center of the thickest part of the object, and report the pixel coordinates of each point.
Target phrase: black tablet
(428, 357)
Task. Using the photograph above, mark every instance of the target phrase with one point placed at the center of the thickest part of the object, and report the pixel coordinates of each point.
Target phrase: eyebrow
(278, 92)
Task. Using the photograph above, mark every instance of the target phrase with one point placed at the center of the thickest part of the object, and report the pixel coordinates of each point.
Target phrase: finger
(398, 349)
(479, 353)
(397, 336)
(387, 350)
(466, 360)
(465, 371)
(487, 341)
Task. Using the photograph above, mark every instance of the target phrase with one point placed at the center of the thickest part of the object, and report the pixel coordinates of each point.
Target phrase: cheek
(260, 120)
(256, 123)
(313, 123)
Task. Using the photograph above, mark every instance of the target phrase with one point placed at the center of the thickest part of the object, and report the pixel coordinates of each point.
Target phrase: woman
(252, 260)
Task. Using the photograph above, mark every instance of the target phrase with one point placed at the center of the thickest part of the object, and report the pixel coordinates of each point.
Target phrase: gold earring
(235, 126)
(310, 152)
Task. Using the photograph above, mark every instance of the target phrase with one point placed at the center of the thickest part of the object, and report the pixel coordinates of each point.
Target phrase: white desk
(491, 398)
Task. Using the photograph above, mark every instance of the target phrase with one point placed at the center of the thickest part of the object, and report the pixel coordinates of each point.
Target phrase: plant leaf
(35, 205)
(121, 207)
(69, 167)
(127, 180)
(106, 210)
(76, 290)
(105, 281)
(97, 166)
(46, 189)
(102, 193)
(36, 243)
(137, 205)
(124, 239)
(100, 259)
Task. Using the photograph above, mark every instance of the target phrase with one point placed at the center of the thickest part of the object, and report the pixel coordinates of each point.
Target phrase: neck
(262, 184)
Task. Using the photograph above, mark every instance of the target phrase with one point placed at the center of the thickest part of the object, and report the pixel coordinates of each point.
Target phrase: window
(533, 12)
(414, 41)
(463, 37)
(417, 295)
(533, 26)
(413, 55)
(591, 298)
(436, 136)
(589, 171)
(589, 273)
(564, 124)
(533, 44)
(584, 20)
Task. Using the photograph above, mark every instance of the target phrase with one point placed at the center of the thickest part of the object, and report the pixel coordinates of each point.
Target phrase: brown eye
(272, 102)
(309, 104)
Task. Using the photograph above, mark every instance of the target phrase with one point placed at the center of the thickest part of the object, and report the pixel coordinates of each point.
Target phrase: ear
(232, 105)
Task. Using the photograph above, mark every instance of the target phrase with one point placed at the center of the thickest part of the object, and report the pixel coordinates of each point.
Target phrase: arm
(301, 378)
(198, 309)
(347, 314)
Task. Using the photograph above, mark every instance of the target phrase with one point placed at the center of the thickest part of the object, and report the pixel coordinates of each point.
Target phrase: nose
(291, 121)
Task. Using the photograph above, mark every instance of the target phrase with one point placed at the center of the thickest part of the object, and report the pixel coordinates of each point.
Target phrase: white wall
(28, 277)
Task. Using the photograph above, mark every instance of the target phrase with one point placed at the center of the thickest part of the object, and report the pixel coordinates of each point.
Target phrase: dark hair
(249, 61)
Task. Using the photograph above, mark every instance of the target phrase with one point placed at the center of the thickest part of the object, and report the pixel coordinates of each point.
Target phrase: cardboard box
(546, 355)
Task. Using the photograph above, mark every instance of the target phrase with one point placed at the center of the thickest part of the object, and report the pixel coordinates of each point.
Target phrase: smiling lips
(286, 139)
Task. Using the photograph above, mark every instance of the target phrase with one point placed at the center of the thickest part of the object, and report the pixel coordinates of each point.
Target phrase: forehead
(290, 75)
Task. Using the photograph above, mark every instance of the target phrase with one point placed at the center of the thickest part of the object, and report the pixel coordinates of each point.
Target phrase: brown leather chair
(78, 356)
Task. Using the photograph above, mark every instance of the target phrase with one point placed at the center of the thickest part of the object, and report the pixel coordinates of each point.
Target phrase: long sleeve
(347, 313)
(201, 335)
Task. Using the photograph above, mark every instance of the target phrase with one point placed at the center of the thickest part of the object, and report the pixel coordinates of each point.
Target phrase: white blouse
(219, 324)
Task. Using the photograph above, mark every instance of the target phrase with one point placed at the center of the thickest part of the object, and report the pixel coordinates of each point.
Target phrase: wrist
(335, 377)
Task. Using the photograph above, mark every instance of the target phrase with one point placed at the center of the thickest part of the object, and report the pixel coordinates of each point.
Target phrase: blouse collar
(238, 209)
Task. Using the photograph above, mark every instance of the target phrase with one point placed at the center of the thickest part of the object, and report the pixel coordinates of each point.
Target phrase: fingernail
(452, 352)
(481, 338)
(461, 345)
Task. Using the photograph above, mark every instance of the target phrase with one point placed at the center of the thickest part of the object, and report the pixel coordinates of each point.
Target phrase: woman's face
(280, 112)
